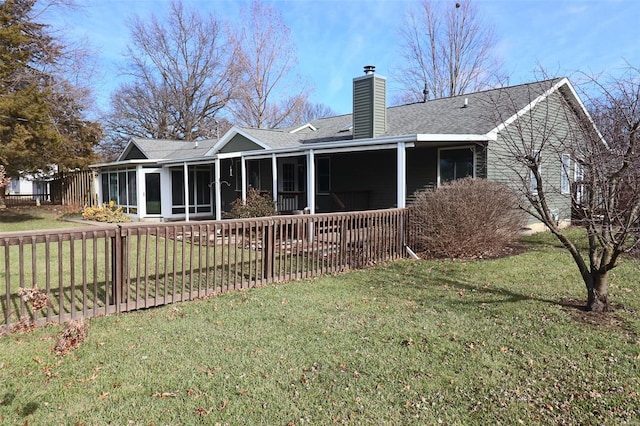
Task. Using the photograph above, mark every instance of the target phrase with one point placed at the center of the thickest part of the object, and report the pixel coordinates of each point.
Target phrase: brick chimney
(369, 104)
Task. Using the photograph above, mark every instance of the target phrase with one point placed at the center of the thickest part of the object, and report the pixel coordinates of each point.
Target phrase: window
(14, 186)
(177, 191)
(199, 190)
(456, 163)
(323, 178)
(120, 186)
(564, 177)
(578, 177)
(288, 177)
(253, 173)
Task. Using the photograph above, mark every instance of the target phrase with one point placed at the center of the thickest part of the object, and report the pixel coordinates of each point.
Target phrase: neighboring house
(34, 187)
(375, 158)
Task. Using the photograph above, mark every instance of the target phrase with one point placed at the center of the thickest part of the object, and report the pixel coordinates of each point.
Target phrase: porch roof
(164, 149)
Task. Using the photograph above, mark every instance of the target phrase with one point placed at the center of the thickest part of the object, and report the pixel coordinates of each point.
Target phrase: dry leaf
(223, 405)
(165, 394)
(203, 412)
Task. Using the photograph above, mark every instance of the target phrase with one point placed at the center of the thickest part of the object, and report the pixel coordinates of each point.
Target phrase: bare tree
(182, 75)
(267, 97)
(307, 112)
(447, 51)
(559, 143)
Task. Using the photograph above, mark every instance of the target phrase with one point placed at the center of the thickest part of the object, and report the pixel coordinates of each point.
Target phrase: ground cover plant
(414, 342)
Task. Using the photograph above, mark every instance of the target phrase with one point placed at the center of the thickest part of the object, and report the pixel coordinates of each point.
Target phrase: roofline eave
(124, 163)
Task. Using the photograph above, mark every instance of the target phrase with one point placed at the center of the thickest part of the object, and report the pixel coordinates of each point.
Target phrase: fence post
(117, 265)
(268, 249)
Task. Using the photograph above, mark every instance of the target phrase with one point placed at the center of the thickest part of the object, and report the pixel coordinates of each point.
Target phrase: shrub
(467, 218)
(257, 205)
(107, 213)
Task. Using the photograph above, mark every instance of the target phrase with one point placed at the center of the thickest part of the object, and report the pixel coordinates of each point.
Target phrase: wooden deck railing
(118, 268)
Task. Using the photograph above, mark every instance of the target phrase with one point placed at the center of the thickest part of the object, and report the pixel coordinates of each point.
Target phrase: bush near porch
(465, 218)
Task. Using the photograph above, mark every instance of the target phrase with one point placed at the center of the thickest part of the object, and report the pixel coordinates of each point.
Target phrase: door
(152, 191)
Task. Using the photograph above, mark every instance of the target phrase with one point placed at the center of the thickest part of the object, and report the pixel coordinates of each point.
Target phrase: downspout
(186, 191)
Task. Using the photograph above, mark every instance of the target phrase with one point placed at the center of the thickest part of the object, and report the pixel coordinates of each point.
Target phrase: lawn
(30, 218)
(413, 342)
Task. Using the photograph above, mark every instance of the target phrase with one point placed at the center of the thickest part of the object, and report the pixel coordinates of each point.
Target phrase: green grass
(427, 342)
(30, 218)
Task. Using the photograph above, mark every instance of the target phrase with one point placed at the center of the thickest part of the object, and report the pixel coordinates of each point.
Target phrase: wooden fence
(93, 271)
(15, 200)
(74, 188)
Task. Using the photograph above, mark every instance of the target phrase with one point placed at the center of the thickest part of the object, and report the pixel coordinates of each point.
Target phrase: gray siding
(134, 154)
(369, 107)
(546, 129)
(422, 170)
(240, 143)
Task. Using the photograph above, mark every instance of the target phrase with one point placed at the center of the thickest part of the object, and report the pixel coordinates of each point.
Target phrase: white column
(402, 175)
(141, 197)
(243, 172)
(274, 179)
(186, 191)
(311, 181)
(216, 183)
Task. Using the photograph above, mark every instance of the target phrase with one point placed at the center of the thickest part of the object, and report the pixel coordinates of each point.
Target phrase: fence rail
(14, 200)
(86, 272)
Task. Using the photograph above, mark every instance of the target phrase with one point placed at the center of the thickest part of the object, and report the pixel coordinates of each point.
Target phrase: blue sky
(335, 39)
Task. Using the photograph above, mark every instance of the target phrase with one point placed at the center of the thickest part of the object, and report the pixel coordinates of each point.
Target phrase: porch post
(402, 175)
(186, 191)
(311, 181)
(141, 196)
(243, 172)
(274, 179)
(216, 182)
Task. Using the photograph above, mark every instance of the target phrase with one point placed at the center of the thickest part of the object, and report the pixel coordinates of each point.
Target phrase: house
(374, 158)
(30, 188)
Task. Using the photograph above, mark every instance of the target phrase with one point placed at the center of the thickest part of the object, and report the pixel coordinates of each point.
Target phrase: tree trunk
(597, 293)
